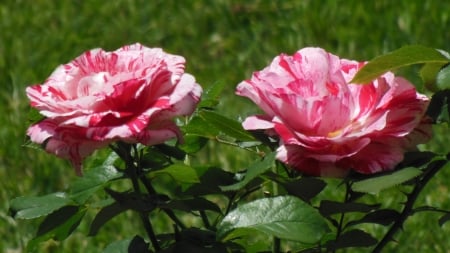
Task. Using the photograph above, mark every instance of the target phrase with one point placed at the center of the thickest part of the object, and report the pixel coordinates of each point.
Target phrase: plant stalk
(149, 229)
(133, 172)
(276, 248)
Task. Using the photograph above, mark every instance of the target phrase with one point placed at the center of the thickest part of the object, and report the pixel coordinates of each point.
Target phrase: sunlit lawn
(222, 41)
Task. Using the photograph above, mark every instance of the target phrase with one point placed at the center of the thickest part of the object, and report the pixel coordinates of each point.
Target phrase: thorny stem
(408, 209)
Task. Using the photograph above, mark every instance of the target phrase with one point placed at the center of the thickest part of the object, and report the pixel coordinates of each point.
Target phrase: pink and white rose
(131, 94)
(328, 126)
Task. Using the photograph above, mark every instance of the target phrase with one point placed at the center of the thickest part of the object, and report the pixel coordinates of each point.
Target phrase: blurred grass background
(222, 41)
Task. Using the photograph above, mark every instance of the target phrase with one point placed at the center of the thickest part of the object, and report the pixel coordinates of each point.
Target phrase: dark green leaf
(437, 109)
(328, 207)
(305, 188)
(155, 159)
(171, 151)
(134, 201)
(444, 219)
(256, 169)
(188, 205)
(285, 217)
(34, 207)
(376, 184)
(210, 182)
(443, 78)
(136, 244)
(417, 158)
(104, 215)
(198, 236)
(383, 217)
(193, 247)
(211, 95)
(59, 225)
(353, 238)
(92, 181)
(57, 218)
(402, 57)
(231, 128)
(179, 172)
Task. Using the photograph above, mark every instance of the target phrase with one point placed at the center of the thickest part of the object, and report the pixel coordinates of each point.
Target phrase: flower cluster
(326, 125)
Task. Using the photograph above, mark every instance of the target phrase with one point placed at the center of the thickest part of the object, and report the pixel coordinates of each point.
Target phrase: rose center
(334, 133)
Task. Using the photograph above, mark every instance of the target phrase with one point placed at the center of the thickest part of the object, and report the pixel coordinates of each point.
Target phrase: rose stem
(169, 212)
(132, 171)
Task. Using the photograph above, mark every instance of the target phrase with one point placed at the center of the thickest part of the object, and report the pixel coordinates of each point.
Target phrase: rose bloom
(328, 126)
(129, 95)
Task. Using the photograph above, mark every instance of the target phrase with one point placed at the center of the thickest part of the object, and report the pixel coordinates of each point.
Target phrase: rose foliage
(325, 122)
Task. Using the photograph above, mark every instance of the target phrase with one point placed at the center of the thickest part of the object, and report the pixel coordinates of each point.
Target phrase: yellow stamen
(334, 133)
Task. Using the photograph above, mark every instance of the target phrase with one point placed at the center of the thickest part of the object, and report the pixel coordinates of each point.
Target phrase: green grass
(222, 41)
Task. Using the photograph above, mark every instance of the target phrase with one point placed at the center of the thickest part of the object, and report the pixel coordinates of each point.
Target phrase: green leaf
(134, 200)
(34, 207)
(211, 95)
(192, 143)
(136, 244)
(210, 182)
(383, 217)
(188, 205)
(58, 225)
(428, 73)
(154, 158)
(179, 172)
(417, 159)
(200, 127)
(227, 126)
(305, 188)
(256, 169)
(92, 181)
(104, 215)
(328, 207)
(443, 78)
(353, 238)
(284, 217)
(378, 183)
(56, 219)
(194, 240)
(438, 107)
(402, 57)
(171, 151)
